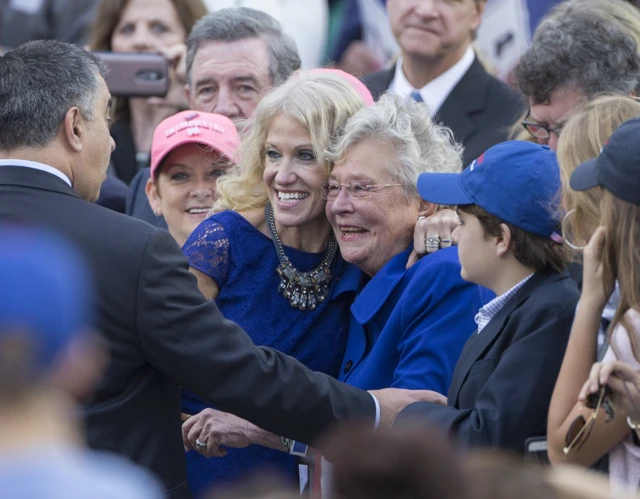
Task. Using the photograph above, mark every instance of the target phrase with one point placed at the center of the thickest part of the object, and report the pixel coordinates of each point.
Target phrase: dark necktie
(415, 95)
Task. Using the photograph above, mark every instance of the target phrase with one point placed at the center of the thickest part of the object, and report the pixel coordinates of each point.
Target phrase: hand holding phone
(136, 74)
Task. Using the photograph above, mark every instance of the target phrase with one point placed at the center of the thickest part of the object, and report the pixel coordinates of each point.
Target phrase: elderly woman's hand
(439, 225)
(624, 382)
(210, 430)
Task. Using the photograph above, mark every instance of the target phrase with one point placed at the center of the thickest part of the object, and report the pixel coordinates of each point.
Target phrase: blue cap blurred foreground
(516, 181)
(45, 291)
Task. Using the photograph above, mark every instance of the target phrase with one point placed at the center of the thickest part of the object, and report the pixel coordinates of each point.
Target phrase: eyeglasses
(540, 131)
(580, 429)
(355, 191)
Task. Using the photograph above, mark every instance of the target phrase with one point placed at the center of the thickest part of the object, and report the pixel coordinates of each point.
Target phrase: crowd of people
(422, 282)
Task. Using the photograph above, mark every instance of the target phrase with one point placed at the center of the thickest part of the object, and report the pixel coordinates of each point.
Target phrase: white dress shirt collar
(491, 309)
(435, 92)
(36, 166)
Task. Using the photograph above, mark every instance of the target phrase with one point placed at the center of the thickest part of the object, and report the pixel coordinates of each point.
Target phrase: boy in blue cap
(47, 358)
(507, 241)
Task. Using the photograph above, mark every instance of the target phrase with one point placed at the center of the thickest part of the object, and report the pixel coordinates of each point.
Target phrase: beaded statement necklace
(304, 290)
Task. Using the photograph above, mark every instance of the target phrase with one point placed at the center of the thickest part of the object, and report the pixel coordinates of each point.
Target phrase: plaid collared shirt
(490, 310)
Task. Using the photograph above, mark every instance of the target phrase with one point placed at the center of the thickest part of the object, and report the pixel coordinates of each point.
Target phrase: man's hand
(441, 224)
(217, 429)
(393, 400)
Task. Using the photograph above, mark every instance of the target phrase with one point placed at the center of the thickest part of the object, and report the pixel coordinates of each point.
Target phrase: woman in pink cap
(189, 153)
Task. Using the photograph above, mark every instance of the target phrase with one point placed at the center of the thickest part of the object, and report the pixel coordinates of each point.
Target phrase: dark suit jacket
(124, 164)
(164, 334)
(137, 204)
(479, 110)
(113, 194)
(502, 384)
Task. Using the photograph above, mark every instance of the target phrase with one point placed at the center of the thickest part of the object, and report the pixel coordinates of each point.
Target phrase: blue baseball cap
(45, 292)
(516, 181)
(617, 168)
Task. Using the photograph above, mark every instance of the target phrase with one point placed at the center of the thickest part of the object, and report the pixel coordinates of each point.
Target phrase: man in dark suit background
(508, 242)
(438, 66)
(213, 62)
(161, 332)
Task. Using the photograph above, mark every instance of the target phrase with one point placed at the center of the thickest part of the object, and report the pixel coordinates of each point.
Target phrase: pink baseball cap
(187, 127)
(355, 83)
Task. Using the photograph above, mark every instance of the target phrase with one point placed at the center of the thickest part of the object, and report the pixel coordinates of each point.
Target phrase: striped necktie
(415, 95)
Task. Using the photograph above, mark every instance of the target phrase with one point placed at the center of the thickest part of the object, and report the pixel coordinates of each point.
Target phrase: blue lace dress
(243, 262)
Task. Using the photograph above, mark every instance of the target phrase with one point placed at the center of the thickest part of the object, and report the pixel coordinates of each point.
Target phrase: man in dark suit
(507, 241)
(161, 332)
(227, 50)
(438, 66)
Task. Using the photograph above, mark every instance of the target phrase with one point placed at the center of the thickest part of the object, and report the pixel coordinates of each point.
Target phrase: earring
(566, 232)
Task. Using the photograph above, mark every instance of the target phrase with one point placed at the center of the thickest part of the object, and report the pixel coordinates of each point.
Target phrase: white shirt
(436, 91)
(36, 166)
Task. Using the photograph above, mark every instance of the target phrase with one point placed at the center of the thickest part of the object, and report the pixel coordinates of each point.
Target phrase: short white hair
(420, 144)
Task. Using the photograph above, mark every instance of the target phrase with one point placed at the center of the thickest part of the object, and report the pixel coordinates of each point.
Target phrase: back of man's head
(39, 82)
(241, 23)
(577, 47)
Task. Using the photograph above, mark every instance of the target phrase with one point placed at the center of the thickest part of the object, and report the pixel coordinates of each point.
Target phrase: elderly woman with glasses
(406, 326)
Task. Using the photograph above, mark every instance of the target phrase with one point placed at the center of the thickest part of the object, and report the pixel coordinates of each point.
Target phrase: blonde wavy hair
(582, 139)
(320, 102)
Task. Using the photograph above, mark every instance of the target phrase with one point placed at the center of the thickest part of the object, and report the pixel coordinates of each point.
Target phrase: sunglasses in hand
(580, 429)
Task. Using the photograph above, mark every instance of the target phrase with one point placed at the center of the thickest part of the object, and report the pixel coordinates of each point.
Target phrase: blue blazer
(407, 327)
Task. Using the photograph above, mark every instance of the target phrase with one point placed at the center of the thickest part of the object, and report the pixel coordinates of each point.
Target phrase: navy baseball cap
(516, 181)
(617, 168)
(45, 292)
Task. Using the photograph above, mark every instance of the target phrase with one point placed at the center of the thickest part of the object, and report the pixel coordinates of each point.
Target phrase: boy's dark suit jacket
(163, 334)
(480, 109)
(502, 384)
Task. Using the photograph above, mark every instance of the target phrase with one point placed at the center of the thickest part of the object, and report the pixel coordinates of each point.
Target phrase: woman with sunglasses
(587, 422)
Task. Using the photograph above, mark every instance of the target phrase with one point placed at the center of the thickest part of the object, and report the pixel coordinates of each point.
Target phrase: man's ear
(480, 5)
(426, 209)
(503, 242)
(154, 199)
(73, 126)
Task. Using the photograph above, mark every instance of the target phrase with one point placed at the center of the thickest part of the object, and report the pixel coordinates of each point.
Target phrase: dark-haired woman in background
(152, 26)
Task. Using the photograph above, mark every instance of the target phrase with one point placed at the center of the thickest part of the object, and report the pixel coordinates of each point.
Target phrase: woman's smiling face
(292, 176)
(185, 187)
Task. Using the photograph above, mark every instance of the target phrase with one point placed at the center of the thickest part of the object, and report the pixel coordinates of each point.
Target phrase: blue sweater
(407, 327)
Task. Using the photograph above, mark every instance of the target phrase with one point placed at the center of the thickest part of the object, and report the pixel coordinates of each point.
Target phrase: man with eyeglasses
(576, 55)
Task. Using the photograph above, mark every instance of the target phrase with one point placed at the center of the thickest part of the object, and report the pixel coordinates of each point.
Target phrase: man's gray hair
(39, 82)
(241, 23)
(420, 145)
(575, 46)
